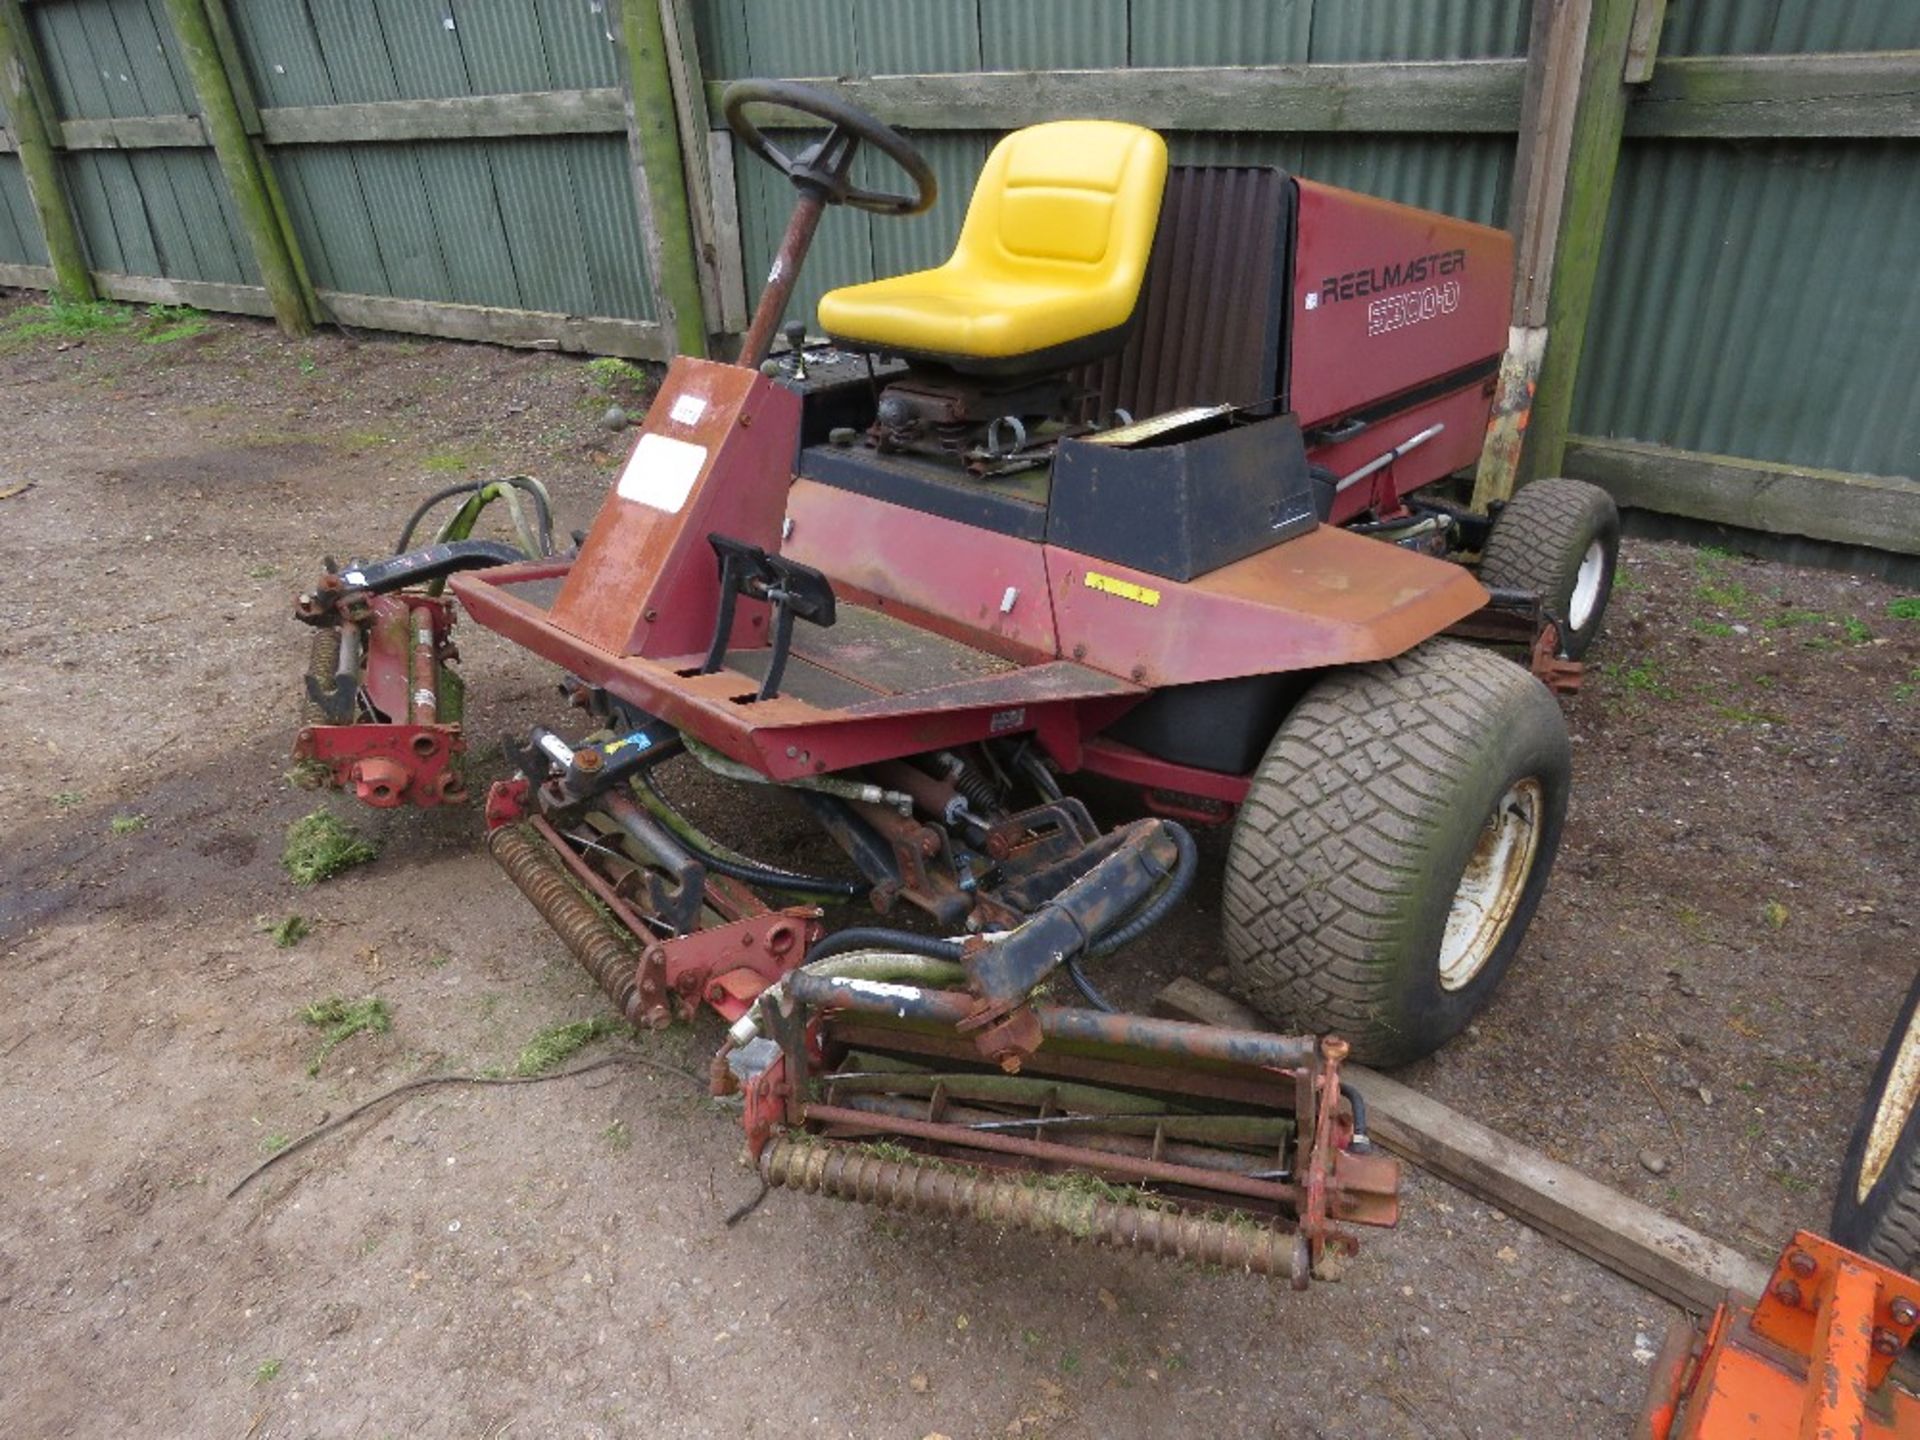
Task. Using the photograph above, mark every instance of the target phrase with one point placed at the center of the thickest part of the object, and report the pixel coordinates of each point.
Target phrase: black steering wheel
(823, 168)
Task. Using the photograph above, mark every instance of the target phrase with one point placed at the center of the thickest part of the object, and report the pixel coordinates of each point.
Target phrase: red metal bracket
(725, 966)
(389, 765)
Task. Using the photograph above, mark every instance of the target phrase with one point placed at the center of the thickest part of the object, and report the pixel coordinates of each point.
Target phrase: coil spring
(981, 794)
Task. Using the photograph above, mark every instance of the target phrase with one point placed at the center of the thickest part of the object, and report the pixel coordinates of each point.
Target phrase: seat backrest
(1080, 196)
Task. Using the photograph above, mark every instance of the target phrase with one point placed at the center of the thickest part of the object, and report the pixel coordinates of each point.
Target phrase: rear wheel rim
(1586, 586)
(1488, 895)
(1897, 1099)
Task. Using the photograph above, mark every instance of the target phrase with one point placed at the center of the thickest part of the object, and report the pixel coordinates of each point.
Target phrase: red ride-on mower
(1124, 488)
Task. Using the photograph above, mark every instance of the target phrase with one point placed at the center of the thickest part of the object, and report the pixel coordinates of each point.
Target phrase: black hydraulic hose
(1162, 900)
(1087, 990)
(543, 516)
(774, 879)
(879, 937)
(1359, 1104)
(465, 487)
(703, 849)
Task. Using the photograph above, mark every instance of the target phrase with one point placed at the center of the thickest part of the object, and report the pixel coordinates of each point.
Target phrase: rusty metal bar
(1059, 1022)
(425, 700)
(845, 1173)
(1126, 1168)
(780, 279)
(1089, 1135)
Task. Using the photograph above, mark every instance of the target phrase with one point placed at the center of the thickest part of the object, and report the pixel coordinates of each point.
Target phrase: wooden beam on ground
(1881, 512)
(1631, 1239)
(1804, 97)
(23, 91)
(272, 244)
(659, 174)
(1556, 47)
(462, 117)
(527, 329)
(1450, 96)
(1600, 107)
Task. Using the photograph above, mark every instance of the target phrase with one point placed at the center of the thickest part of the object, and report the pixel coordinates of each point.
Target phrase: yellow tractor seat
(1048, 267)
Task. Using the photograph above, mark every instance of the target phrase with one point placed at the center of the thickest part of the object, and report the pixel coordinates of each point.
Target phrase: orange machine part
(1809, 1360)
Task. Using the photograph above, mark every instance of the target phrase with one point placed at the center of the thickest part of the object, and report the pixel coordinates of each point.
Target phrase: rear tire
(1560, 538)
(1877, 1211)
(1394, 847)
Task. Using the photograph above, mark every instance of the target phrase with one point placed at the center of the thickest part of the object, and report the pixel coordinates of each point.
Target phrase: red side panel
(1387, 298)
(715, 456)
(1328, 597)
(994, 587)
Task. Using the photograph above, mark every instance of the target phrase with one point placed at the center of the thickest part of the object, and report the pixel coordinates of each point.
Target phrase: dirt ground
(1702, 995)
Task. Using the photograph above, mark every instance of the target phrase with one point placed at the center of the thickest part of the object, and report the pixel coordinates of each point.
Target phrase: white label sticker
(687, 410)
(661, 472)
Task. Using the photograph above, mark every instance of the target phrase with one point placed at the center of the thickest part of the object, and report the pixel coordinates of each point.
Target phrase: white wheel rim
(1586, 586)
(1490, 890)
(1897, 1099)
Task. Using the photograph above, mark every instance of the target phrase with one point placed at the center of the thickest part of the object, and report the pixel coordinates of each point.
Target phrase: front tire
(1877, 1211)
(1394, 846)
(1560, 538)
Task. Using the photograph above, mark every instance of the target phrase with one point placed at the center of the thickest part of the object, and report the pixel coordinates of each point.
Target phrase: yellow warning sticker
(1125, 589)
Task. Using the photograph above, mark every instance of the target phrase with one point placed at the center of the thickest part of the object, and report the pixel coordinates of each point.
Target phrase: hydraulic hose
(535, 541)
(720, 859)
(1160, 902)
(1088, 991)
(880, 937)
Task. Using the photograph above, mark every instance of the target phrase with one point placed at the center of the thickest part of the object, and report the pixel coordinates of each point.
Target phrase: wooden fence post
(659, 177)
(1555, 46)
(722, 304)
(30, 107)
(272, 248)
(1599, 115)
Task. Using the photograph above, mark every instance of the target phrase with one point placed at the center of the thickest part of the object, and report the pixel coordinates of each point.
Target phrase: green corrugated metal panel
(916, 37)
(870, 37)
(20, 239)
(1788, 27)
(141, 212)
(1221, 32)
(1464, 175)
(537, 224)
(1060, 35)
(108, 59)
(1356, 30)
(1759, 300)
(720, 26)
(158, 212)
(530, 224)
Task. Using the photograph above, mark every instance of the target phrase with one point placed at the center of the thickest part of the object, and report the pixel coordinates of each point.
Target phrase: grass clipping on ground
(340, 1020)
(321, 845)
(560, 1043)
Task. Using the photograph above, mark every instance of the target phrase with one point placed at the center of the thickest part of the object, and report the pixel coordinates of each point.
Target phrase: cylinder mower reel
(996, 536)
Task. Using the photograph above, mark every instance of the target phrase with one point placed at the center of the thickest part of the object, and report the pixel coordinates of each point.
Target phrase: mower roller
(1139, 484)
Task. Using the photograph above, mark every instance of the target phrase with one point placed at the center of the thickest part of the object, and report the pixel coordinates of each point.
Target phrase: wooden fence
(1714, 200)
